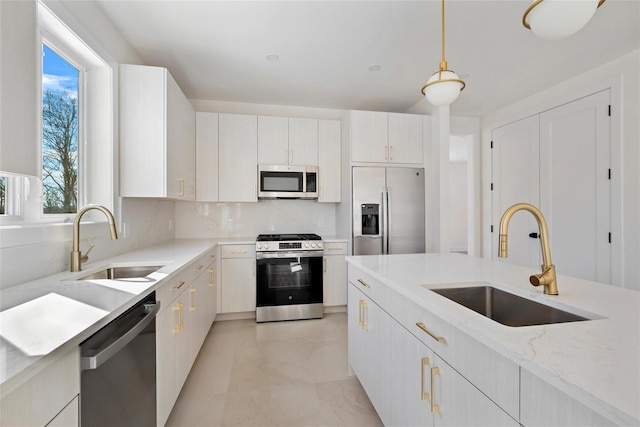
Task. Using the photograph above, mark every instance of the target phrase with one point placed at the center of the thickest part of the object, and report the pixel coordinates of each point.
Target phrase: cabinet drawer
(201, 265)
(366, 283)
(494, 375)
(238, 251)
(173, 287)
(335, 248)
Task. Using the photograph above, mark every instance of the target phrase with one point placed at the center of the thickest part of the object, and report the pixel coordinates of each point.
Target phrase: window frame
(97, 141)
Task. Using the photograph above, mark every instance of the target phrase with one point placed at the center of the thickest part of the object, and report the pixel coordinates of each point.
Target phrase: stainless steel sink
(122, 273)
(507, 308)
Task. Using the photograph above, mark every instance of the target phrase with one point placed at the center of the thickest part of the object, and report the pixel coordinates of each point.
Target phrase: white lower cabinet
(543, 404)
(238, 265)
(334, 276)
(182, 325)
(47, 398)
(369, 351)
(407, 381)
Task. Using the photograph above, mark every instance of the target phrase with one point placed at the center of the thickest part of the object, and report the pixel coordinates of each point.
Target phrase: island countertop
(597, 362)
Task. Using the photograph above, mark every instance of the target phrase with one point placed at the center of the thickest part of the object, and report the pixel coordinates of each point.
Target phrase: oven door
(288, 278)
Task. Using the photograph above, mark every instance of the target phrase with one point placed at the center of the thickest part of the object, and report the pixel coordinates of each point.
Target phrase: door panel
(515, 177)
(575, 187)
(406, 210)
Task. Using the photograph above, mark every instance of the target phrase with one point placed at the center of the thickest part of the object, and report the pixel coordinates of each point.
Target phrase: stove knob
(266, 246)
(259, 246)
(320, 244)
(306, 245)
(313, 245)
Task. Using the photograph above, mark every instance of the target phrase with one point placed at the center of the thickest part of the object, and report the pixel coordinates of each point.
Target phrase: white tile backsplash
(224, 220)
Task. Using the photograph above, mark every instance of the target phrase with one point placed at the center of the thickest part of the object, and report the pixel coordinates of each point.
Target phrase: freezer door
(368, 188)
(405, 189)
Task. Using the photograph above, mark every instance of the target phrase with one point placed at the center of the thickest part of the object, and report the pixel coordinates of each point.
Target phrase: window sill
(33, 234)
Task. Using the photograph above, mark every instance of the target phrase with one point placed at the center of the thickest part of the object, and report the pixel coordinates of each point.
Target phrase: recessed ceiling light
(374, 67)
(272, 57)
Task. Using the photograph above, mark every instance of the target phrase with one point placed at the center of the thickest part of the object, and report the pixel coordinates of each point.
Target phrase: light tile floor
(274, 374)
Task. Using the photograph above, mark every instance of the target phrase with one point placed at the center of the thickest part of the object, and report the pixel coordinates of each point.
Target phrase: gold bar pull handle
(431, 334)
(360, 321)
(176, 330)
(178, 286)
(198, 268)
(423, 394)
(193, 299)
(435, 408)
(181, 183)
(213, 277)
(363, 283)
(365, 308)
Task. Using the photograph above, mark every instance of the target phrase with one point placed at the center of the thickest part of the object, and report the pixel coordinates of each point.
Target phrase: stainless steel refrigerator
(388, 210)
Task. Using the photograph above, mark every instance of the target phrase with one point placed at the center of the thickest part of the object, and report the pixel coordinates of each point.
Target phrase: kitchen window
(76, 146)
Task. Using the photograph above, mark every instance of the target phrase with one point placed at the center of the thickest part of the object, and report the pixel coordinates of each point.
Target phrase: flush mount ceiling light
(556, 19)
(444, 86)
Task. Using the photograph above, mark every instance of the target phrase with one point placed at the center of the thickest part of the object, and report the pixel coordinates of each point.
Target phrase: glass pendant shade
(443, 88)
(557, 19)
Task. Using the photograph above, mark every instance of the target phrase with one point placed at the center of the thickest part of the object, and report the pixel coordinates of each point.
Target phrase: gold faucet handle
(547, 279)
(85, 257)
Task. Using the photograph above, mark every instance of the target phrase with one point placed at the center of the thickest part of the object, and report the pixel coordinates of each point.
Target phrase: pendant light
(557, 19)
(444, 86)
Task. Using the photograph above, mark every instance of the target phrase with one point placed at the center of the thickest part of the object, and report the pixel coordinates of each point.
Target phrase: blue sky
(57, 74)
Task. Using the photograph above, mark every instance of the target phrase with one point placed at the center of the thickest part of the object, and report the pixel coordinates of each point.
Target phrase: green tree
(59, 152)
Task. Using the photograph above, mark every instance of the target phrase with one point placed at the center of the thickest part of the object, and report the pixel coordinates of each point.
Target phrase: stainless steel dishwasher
(118, 363)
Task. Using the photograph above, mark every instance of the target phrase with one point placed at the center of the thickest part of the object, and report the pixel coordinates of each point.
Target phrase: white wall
(623, 77)
(27, 253)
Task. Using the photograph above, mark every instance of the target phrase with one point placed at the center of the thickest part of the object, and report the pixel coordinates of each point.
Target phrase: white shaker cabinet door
(369, 136)
(238, 285)
(238, 150)
(303, 142)
(273, 140)
(329, 161)
(405, 138)
(207, 157)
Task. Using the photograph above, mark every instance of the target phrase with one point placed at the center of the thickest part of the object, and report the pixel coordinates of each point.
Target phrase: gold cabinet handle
(391, 152)
(181, 182)
(423, 394)
(176, 330)
(212, 271)
(435, 409)
(193, 299)
(365, 307)
(181, 315)
(363, 283)
(198, 268)
(360, 315)
(212, 257)
(243, 251)
(431, 334)
(334, 248)
(178, 286)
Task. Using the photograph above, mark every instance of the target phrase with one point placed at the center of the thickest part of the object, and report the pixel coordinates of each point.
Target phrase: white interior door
(575, 153)
(515, 179)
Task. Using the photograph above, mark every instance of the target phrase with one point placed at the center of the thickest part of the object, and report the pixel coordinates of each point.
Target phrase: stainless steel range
(289, 277)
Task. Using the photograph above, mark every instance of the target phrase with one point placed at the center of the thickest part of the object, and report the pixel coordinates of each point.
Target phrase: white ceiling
(216, 49)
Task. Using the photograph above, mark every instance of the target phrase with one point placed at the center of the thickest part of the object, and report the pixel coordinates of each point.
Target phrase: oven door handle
(309, 254)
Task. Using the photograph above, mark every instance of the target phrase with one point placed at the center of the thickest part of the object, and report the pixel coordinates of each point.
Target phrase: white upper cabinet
(369, 136)
(157, 135)
(378, 137)
(19, 103)
(303, 142)
(206, 157)
(329, 161)
(238, 161)
(273, 140)
(405, 138)
(287, 141)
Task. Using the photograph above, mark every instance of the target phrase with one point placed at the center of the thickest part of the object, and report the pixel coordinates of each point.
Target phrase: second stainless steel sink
(507, 308)
(122, 272)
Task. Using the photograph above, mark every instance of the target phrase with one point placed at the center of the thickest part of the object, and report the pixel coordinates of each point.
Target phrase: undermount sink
(122, 272)
(507, 308)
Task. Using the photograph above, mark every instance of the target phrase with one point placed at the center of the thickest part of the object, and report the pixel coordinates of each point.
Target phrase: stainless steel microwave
(287, 182)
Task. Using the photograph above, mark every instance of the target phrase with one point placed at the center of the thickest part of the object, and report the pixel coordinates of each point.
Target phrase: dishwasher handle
(102, 355)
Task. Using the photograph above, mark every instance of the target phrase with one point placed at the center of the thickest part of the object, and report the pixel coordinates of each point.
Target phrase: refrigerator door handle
(385, 220)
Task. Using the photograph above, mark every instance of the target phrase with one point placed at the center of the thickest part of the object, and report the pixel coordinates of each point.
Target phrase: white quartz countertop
(596, 362)
(45, 318)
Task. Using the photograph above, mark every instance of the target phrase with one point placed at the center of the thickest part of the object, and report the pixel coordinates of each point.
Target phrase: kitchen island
(590, 366)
